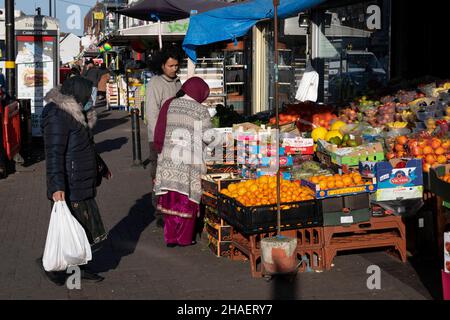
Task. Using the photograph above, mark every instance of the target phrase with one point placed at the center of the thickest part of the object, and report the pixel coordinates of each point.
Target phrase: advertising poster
(35, 73)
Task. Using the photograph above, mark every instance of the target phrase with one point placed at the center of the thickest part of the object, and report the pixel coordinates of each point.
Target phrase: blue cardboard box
(395, 181)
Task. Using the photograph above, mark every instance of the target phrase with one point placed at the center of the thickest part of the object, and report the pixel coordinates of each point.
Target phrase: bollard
(136, 137)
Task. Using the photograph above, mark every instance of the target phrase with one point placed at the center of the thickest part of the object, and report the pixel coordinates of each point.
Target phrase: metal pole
(136, 136)
(277, 146)
(10, 65)
(49, 8)
(135, 128)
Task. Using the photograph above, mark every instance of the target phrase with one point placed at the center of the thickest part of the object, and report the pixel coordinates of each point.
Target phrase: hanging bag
(67, 244)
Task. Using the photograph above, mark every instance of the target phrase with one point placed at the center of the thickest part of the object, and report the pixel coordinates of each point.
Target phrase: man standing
(92, 73)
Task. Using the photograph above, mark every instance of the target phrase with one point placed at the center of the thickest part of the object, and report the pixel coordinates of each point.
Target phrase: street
(135, 260)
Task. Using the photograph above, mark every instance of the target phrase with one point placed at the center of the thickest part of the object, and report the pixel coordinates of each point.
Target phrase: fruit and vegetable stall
(349, 176)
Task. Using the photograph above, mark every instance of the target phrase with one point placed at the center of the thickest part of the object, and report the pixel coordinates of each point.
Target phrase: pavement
(136, 263)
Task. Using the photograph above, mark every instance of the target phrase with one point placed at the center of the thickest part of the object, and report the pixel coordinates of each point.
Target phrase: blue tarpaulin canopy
(235, 21)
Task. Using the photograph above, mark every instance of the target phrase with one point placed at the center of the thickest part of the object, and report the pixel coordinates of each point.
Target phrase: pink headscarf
(194, 87)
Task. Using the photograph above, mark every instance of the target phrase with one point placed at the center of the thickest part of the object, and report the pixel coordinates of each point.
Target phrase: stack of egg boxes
(257, 155)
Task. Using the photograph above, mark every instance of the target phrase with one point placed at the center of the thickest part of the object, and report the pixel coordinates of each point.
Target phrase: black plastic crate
(217, 184)
(258, 219)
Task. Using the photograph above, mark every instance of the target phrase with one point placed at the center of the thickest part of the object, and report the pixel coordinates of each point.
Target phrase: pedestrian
(161, 87)
(2, 81)
(104, 77)
(71, 161)
(75, 71)
(92, 73)
(180, 163)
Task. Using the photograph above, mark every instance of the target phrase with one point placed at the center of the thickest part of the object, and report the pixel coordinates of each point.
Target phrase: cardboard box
(367, 169)
(298, 145)
(271, 161)
(438, 186)
(286, 175)
(346, 210)
(352, 156)
(399, 183)
(322, 194)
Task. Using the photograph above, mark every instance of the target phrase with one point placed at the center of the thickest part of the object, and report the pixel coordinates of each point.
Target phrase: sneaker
(91, 276)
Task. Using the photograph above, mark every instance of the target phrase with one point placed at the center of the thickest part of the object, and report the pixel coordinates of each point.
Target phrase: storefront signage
(99, 15)
(176, 27)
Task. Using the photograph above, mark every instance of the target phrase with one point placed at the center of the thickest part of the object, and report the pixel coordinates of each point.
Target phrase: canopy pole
(160, 35)
(277, 146)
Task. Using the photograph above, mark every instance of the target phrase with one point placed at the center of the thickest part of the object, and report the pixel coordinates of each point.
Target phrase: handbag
(102, 169)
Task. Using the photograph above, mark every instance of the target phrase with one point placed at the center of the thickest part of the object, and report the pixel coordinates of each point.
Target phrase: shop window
(353, 49)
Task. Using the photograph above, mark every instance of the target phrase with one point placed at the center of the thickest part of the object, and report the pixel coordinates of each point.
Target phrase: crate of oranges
(326, 186)
(251, 206)
(440, 181)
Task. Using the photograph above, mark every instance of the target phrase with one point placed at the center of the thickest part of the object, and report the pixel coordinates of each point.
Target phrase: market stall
(349, 178)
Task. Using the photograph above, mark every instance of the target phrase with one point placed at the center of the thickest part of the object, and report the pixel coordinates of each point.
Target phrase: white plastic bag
(309, 86)
(67, 243)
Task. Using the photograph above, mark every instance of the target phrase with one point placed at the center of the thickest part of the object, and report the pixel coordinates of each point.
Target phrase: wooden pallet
(378, 232)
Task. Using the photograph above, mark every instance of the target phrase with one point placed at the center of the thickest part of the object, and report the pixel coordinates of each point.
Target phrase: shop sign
(99, 16)
(177, 27)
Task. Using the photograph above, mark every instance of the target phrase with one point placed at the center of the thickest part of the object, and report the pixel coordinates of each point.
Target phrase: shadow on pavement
(284, 287)
(123, 237)
(32, 153)
(106, 124)
(110, 144)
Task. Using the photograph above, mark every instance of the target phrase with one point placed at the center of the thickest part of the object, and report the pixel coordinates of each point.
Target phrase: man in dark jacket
(93, 74)
(71, 158)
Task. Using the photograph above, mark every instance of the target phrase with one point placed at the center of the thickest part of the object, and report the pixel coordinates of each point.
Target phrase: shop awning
(170, 10)
(235, 21)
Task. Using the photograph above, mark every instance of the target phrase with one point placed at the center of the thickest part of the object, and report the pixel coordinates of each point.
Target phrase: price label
(347, 220)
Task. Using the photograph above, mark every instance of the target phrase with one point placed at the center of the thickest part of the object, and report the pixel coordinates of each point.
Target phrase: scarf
(194, 87)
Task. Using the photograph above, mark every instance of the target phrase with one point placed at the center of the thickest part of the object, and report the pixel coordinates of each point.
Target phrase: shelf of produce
(380, 232)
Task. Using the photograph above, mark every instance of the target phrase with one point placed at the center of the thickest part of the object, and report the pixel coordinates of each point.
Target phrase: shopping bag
(66, 244)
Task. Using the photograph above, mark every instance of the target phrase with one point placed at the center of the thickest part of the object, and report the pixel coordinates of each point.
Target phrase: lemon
(333, 133)
(337, 125)
(319, 133)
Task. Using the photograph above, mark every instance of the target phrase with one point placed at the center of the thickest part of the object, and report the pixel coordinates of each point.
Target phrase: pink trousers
(179, 226)
(178, 230)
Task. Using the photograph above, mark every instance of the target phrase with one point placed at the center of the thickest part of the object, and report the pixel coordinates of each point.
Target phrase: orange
(427, 150)
(339, 184)
(439, 151)
(264, 179)
(430, 159)
(347, 181)
(331, 185)
(435, 143)
(232, 187)
(323, 185)
(357, 180)
(442, 159)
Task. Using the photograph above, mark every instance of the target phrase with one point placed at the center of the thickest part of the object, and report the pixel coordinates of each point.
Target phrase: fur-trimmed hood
(69, 105)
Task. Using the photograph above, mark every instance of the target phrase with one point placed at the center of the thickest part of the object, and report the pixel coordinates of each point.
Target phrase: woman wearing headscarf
(71, 160)
(179, 141)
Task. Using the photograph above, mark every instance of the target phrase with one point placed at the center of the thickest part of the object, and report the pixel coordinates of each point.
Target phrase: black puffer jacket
(69, 147)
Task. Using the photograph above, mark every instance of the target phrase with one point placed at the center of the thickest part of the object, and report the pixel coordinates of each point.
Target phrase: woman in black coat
(70, 154)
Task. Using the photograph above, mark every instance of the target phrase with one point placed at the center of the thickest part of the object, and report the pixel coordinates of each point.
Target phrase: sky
(68, 21)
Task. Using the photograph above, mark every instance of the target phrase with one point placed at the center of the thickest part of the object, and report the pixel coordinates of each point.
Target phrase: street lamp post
(10, 65)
